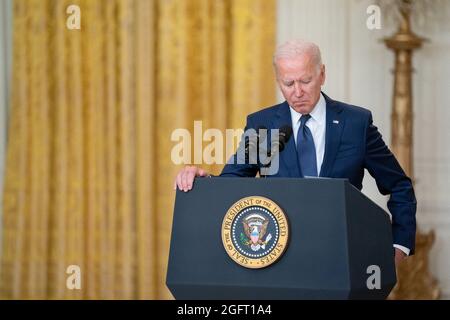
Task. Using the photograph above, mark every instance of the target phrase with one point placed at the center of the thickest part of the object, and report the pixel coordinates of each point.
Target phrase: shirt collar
(318, 113)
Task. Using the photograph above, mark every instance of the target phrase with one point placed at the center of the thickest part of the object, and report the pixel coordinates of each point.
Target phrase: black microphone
(278, 145)
(284, 135)
(251, 143)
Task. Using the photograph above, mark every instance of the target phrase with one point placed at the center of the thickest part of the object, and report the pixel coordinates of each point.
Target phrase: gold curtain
(89, 173)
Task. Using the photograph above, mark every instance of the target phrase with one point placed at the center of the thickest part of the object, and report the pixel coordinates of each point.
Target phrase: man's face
(300, 82)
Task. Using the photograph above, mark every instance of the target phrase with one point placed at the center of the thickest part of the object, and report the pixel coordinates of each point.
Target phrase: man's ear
(322, 74)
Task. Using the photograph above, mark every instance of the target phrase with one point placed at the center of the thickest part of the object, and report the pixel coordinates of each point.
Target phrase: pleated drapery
(89, 172)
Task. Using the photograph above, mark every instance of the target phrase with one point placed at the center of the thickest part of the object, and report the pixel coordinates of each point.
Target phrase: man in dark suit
(330, 139)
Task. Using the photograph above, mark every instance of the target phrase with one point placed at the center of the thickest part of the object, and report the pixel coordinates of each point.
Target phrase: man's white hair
(296, 48)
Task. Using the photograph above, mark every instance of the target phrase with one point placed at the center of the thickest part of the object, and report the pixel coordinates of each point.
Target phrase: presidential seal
(255, 232)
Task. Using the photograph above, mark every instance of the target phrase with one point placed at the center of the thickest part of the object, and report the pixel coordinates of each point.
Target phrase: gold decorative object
(414, 280)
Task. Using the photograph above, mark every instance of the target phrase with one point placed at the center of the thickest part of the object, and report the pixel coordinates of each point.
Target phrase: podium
(339, 247)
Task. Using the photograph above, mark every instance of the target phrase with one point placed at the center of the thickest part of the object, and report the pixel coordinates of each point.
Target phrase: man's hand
(185, 178)
(399, 256)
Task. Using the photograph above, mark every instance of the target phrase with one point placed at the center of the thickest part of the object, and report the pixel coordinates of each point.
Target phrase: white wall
(359, 72)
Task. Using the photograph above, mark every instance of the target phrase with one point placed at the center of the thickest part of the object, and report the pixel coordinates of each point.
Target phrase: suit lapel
(289, 155)
(334, 127)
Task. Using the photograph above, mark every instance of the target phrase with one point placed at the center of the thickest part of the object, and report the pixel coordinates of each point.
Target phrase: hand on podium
(399, 256)
(185, 178)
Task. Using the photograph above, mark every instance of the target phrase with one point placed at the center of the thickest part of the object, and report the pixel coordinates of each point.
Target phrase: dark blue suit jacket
(351, 145)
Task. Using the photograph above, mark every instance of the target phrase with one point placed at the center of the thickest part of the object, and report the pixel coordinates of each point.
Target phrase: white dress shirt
(317, 125)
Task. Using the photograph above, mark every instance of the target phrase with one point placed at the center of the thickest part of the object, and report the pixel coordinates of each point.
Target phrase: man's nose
(298, 90)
